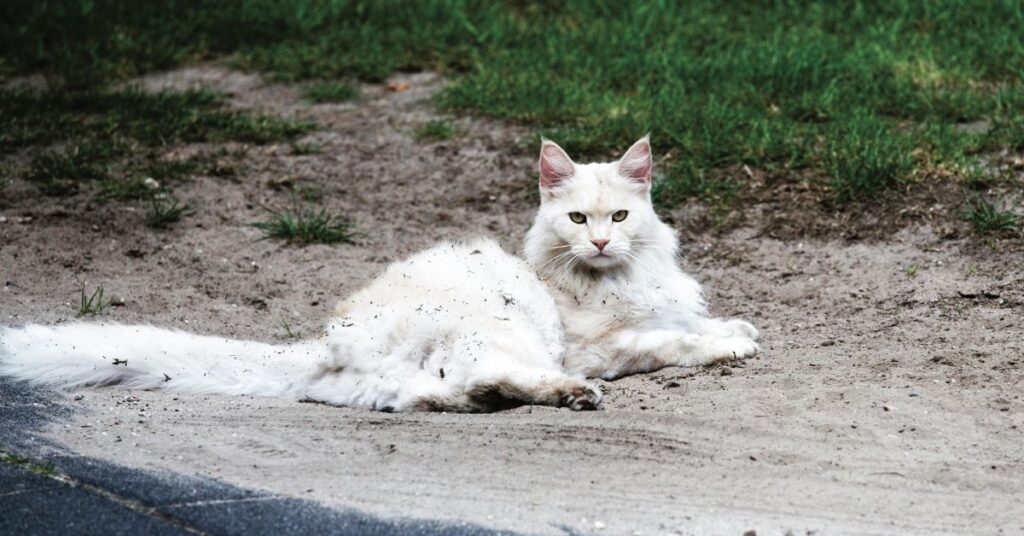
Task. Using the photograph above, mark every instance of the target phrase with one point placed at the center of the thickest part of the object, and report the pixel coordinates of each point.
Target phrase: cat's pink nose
(600, 243)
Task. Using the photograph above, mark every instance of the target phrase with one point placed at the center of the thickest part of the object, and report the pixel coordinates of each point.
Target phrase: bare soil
(887, 398)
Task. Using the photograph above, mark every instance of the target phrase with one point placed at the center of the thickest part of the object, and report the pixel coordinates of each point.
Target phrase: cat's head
(595, 215)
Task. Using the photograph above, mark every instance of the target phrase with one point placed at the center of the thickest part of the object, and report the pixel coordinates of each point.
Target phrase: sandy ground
(887, 398)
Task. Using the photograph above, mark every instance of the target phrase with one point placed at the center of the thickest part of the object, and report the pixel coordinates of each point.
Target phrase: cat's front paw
(728, 348)
(583, 397)
(744, 328)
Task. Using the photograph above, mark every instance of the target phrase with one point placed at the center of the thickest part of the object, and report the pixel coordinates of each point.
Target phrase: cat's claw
(581, 398)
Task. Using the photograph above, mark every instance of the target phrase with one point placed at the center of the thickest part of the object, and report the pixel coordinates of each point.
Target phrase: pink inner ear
(555, 166)
(636, 163)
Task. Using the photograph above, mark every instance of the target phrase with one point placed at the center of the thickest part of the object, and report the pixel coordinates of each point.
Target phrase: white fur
(461, 327)
(469, 310)
(628, 308)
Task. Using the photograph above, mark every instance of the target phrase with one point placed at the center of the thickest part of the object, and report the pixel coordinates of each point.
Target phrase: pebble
(599, 525)
(726, 371)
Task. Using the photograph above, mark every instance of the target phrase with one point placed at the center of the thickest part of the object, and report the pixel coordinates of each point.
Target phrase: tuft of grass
(162, 213)
(320, 92)
(436, 130)
(987, 218)
(92, 304)
(59, 171)
(304, 225)
(304, 149)
(288, 332)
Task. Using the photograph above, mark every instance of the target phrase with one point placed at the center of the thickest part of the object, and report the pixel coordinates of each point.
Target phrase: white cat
(611, 265)
(458, 327)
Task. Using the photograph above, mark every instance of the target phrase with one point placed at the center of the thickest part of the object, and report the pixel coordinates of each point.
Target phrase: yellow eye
(620, 215)
(577, 217)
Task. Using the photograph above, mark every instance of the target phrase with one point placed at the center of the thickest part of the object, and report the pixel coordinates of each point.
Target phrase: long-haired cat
(458, 327)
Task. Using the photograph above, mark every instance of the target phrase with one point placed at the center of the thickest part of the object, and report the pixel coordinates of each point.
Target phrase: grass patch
(836, 91)
(436, 130)
(866, 156)
(320, 92)
(304, 225)
(163, 212)
(25, 462)
(95, 132)
(987, 218)
(92, 304)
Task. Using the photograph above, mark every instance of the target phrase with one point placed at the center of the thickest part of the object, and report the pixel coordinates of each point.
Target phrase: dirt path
(887, 400)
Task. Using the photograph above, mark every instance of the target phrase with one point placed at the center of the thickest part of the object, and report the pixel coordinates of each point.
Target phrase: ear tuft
(637, 163)
(555, 165)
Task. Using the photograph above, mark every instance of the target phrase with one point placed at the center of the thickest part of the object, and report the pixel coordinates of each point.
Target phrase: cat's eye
(620, 215)
(578, 217)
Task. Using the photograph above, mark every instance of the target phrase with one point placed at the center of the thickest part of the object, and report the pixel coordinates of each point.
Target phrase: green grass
(331, 92)
(436, 130)
(25, 462)
(92, 303)
(92, 134)
(288, 332)
(865, 157)
(163, 212)
(988, 218)
(303, 225)
(841, 92)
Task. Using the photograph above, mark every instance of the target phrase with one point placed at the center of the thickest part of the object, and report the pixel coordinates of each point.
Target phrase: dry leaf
(398, 87)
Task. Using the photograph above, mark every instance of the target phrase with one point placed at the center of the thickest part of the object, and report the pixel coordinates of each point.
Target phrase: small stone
(750, 533)
(599, 525)
(151, 183)
(116, 300)
(726, 371)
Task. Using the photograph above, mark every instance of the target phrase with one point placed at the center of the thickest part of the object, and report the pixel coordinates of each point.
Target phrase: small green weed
(987, 218)
(320, 92)
(912, 270)
(288, 332)
(162, 212)
(92, 304)
(304, 149)
(306, 225)
(436, 130)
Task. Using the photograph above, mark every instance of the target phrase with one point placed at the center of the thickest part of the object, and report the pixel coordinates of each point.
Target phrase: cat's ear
(636, 164)
(555, 165)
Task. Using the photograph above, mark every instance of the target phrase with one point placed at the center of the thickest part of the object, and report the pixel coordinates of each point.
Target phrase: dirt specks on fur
(884, 401)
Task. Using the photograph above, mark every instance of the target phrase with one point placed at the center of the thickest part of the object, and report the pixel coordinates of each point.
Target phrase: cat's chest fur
(593, 309)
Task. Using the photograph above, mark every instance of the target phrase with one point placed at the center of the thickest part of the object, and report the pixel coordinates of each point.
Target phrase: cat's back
(469, 277)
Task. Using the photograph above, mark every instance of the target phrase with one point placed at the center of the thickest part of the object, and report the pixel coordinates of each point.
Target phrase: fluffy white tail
(145, 357)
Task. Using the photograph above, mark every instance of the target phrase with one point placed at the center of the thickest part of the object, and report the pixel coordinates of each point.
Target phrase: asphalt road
(45, 489)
